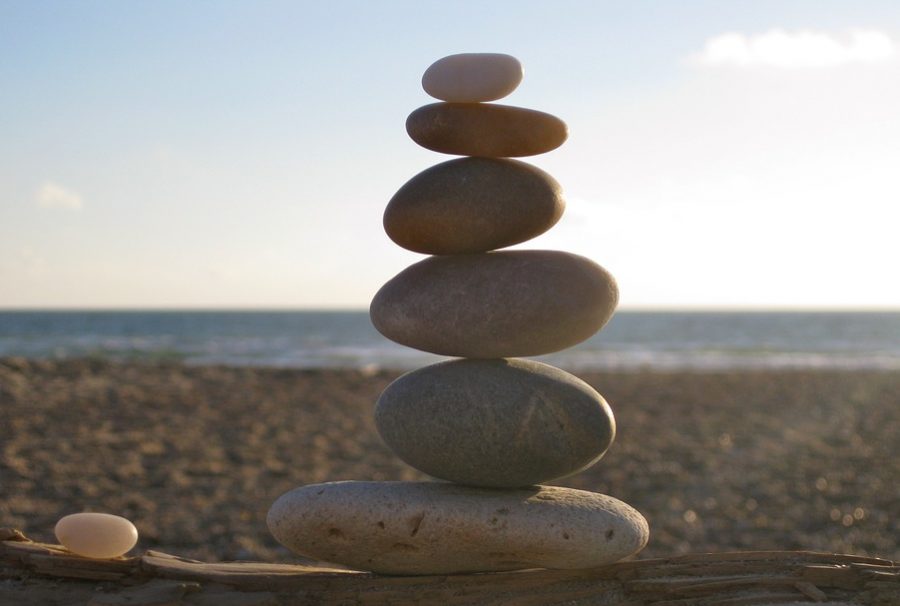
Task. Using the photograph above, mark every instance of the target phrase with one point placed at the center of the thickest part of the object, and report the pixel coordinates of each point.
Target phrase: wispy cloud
(796, 50)
(51, 195)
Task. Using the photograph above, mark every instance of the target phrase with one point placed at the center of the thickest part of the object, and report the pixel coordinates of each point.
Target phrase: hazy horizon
(627, 309)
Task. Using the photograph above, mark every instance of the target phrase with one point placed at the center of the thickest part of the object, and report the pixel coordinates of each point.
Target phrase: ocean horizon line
(347, 337)
(279, 309)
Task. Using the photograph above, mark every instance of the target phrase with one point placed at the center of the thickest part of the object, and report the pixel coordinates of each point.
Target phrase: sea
(633, 340)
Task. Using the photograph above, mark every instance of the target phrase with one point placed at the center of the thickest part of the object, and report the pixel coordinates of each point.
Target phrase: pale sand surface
(785, 460)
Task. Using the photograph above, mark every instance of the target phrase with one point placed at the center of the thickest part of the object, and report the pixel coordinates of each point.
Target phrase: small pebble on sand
(96, 535)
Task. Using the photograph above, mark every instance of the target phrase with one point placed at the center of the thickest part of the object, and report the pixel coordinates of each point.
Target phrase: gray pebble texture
(496, 305)
(495, 423)
(440, 528)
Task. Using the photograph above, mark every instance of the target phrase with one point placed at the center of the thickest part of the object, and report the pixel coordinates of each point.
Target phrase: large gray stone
(473, 205)
(495, 305)
(485, 129)
(438, 528)
(494, 423)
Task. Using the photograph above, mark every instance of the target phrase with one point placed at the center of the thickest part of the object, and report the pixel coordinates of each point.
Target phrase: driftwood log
(42, 574)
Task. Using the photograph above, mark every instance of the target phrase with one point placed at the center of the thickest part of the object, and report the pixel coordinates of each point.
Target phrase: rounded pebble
(494, 423)
(473, 205)
(495, 305)
(96, 535)
(485, 129)
(472, 77)
(440, 528)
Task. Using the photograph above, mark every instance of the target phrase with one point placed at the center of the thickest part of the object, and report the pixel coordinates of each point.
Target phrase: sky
(239, 154)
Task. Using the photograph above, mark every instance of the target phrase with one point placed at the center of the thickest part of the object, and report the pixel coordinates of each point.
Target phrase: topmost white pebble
(472, 77)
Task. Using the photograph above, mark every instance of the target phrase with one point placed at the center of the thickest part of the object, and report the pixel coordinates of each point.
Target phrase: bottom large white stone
(438, 528)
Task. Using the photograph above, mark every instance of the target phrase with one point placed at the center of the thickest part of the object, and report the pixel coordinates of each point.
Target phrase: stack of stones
(493, 425)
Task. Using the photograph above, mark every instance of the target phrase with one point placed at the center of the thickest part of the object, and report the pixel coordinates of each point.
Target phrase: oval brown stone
(495, 305)
(495, 423)
(473, 205)
(485, 129)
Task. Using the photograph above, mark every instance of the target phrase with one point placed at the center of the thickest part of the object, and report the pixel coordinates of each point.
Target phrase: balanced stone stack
(491, 424)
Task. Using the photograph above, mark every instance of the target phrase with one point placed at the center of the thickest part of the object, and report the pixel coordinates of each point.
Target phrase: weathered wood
(38, 573)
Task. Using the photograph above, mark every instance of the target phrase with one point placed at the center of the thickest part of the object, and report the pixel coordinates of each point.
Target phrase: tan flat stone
(495, 305)
(439, 528)
(473, 205)
(485, 129)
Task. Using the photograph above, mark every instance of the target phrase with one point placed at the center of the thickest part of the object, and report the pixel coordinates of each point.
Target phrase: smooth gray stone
(473, 205)
(495, 423)
(438, 528)
(495, 305)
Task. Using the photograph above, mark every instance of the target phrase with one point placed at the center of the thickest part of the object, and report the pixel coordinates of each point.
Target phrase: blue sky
(240, 154)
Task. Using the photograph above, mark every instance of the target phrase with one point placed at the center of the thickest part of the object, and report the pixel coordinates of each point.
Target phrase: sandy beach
(792, 460)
